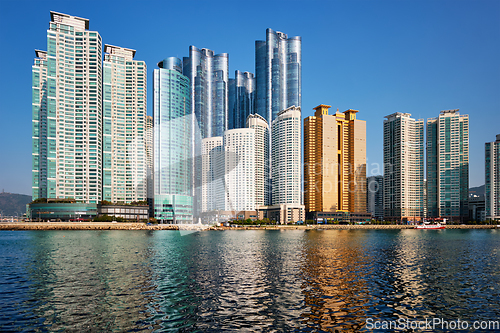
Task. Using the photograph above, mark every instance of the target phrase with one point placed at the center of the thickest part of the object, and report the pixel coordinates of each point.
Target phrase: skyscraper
(278, 74)
(286, 157)
(124, 124)
(262, 188)
(212, 177)
(403, 167)
(492, 179)
(448, 165)
(334, 161)
(241, 99)
(173, 200)
(239, 169)
(208, 74)
(66, 106)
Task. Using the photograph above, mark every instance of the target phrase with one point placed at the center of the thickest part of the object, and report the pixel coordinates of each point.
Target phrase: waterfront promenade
(143, 226)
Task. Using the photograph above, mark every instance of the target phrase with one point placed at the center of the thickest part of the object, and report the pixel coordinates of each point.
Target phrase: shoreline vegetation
(195, 227)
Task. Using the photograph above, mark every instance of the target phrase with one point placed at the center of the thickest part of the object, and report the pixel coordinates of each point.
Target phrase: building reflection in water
(334, 282)
(232, 280)
(88, 279)
(249, 280)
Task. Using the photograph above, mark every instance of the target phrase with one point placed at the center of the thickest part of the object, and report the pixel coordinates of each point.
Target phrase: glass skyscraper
(124, 115)
(241, 99)
(278, 74)
(67, 112)
(172, 114)
(448, 165)
(208, 74)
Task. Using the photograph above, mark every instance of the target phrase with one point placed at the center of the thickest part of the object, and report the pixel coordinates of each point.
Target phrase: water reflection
(85, 280)
(259, 281)
(334, 282)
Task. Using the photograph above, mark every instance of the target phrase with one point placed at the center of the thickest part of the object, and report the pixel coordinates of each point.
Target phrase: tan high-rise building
(334, 161)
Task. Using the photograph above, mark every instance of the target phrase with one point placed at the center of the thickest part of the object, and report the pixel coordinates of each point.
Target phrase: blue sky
(378, 57)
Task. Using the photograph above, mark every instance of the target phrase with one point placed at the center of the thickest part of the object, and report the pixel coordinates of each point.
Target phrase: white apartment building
(286, 157)
(403, 167)
(239, 169)
(66, 106)
(124, 126)
(228, 171)
(212, 189)
(262, 188)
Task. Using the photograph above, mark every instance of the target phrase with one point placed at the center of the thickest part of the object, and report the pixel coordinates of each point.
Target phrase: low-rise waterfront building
(338, 217)
(477, 208)
(282, 213)
(126, 212)
(64, 210)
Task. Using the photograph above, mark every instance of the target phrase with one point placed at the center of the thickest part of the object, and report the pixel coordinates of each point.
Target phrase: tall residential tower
(334, 161)
(278, 74)
(262, 189)
(448, 165)
(67, 112)
(286, 157)
(492, 179)
(403, 167)
(124, 126)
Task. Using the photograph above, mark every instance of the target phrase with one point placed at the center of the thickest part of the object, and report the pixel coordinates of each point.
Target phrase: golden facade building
(334, 161)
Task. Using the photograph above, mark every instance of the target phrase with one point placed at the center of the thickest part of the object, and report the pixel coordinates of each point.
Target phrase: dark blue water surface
(252, 280)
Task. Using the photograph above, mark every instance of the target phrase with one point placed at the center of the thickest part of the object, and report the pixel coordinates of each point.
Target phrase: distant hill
(12, 204)
(477, 190)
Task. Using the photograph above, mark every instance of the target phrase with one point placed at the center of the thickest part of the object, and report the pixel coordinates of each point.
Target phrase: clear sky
(378, 57)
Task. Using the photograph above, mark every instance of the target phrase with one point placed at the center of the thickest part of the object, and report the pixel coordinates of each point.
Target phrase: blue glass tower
(172, 116)
(278, 74)
(241, 99)
(209, 89)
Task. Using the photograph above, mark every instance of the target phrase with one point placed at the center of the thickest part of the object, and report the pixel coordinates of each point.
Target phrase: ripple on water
(267, 281)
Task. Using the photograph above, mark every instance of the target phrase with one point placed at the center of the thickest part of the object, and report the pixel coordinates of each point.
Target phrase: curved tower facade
(286, 157)
(278, 71)
(208, 73)
(262, 189)
(173, 200)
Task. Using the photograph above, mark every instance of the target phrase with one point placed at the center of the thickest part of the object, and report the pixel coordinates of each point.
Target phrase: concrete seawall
(83, 226)
(142, 226)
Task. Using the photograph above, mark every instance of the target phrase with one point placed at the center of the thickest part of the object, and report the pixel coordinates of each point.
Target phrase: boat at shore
(430, 226)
